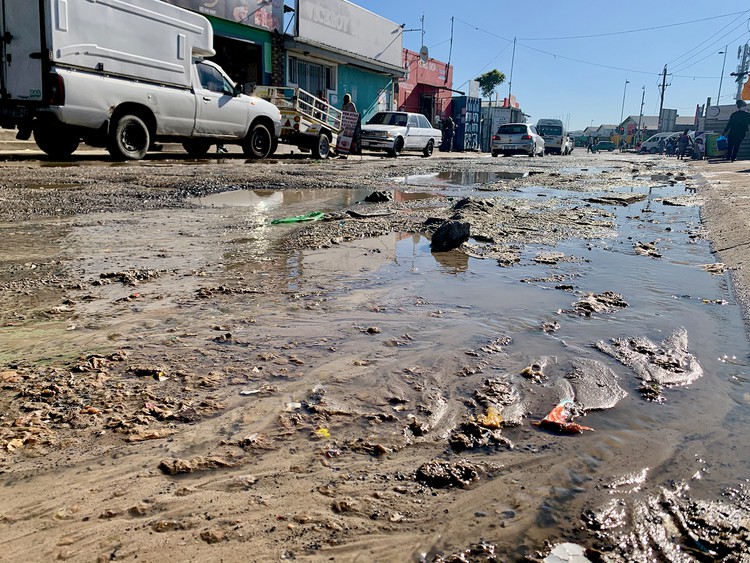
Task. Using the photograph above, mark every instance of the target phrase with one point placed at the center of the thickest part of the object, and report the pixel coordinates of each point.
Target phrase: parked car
(397, 131)
(605, 146)
(651, 145)
(517, 138)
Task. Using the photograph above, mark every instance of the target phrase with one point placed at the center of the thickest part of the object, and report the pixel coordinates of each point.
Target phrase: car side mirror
(237, 90)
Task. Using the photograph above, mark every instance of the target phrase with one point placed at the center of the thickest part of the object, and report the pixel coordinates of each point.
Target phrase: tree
(489, 81)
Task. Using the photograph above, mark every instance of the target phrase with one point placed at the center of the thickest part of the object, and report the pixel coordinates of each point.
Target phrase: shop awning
(340, 56)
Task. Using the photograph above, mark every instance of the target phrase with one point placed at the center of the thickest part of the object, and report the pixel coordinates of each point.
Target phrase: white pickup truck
(122, 74)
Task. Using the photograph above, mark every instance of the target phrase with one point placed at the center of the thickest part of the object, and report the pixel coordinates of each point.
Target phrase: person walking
(736, 129)
(683, 142)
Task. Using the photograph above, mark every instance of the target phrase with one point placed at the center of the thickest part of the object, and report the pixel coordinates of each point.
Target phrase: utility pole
(640, 116)
(721, 78)
(661, 100)
(450, 52)
(742, 71)
(512, 63)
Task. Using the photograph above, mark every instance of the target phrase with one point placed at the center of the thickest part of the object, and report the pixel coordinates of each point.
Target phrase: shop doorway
(427, 106)
(241, 59)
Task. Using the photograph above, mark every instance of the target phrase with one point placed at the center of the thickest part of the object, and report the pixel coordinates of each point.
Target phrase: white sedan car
(517, 138)
(397, 131)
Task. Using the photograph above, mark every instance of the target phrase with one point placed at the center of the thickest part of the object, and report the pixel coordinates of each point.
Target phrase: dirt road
(183, 380)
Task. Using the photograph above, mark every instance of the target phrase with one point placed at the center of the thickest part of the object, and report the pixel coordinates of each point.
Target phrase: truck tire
(258, 143)
(197, 148)
(129, 139)
(322, 148)
(55, 139)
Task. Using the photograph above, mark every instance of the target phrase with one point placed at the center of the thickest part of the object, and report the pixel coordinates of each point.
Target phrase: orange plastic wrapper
(558, 420)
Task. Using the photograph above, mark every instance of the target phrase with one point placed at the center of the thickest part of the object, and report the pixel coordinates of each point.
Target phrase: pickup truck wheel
(129, 139)
(55, 139)
(323, 147)
(258, 143)
(398, 146)
(429, 148)
(197, 148)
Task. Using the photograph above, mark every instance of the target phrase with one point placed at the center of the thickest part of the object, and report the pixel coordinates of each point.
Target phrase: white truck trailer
(122, 74)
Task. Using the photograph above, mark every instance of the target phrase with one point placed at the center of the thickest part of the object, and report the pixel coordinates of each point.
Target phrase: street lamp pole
(640, 116)
(622, 109)
(721, 78)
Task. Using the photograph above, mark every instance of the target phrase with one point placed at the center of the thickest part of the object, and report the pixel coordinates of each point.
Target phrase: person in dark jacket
(683, 142)
(736, 129)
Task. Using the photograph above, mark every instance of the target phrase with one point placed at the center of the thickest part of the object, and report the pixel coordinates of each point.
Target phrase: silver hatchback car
(517, 138)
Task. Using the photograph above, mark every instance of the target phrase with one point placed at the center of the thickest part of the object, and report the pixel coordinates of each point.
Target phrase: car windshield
(512, 130)
(549, 129)
(388, 118)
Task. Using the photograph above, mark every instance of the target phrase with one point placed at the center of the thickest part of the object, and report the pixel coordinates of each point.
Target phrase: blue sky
(581, 78)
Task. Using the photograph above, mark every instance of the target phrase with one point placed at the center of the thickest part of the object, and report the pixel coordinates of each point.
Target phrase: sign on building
(265, 14)
(346, 26)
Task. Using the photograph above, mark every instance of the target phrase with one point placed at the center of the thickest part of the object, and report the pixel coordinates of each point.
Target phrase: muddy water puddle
(452, 306)
(359, 362)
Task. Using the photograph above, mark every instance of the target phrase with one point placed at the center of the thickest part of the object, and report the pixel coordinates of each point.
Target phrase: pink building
(427, 88)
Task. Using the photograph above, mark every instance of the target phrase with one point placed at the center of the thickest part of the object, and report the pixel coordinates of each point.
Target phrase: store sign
(265, 14)
(346, 26)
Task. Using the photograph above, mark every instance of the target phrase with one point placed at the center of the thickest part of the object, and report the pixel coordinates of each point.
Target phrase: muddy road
(189, 373)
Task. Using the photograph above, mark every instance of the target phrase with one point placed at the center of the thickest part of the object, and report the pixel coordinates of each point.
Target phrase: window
(388, 118)
(423, 123)
(413, 121)
(512, 129)
(310, 76)
(212, 80)
(550, 130)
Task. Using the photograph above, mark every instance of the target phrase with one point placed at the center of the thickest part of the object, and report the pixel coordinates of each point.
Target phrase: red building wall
(427, 87)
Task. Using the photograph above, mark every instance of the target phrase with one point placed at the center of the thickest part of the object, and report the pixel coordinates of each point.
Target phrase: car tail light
(56, 95)
(495, 137)
(526, 138)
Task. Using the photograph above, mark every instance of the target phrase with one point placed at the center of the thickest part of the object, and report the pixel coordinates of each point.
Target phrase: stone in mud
(472, 205)
(666, 364)
(471, 434)
(617, 199)
(450, 235)
(501, 394)
(535, 372)
(671, 523)
(379, 197)
(607, 302)
(481, 552)
(440, 474)
(646, 249)
(594, 385)
(176, 466)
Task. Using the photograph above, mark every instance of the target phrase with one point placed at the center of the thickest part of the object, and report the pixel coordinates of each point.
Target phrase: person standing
(449, 133)
(350, 107)
(736, 129)
(683, 142)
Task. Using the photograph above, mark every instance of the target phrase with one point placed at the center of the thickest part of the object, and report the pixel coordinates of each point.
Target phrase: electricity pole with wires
(661, 99)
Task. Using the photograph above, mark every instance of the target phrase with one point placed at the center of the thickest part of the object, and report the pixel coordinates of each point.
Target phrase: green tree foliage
(489, 81)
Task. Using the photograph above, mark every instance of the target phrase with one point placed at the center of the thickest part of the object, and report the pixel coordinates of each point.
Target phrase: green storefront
(340, 48)
(247, 41)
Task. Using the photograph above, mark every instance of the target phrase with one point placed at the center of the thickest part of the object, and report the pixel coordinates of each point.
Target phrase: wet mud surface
(182, 378)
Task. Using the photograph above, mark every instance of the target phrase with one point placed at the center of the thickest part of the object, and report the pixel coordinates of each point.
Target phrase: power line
(557, 56)
(631, 30)
(708, 39)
